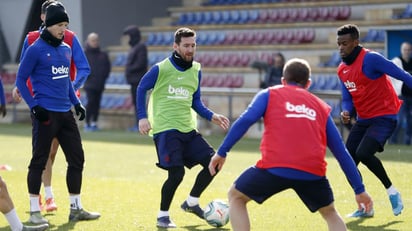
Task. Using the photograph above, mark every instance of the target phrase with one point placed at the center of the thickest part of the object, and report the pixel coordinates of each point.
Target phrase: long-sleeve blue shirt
(79, 59)
(374, 66)
(48, 68)
(257, 109)
(148, 82)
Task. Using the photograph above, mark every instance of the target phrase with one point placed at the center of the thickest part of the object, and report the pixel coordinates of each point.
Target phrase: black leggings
(175, 177)
(365, 152)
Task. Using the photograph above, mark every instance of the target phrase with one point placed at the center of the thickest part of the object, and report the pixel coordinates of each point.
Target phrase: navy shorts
(259, 184)
(380, 129)
(175, 148)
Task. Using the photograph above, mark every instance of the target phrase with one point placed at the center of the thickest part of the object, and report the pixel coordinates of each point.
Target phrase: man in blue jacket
(79, 71)
(47, 62)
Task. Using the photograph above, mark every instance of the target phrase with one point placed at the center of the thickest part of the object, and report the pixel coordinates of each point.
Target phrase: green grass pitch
(122, 182)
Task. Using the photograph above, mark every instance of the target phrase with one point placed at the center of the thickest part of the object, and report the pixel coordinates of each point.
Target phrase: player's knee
(235, 195)
(176, 175)
(367, 149)
(328, 211)
(54, 148)
(3, 187)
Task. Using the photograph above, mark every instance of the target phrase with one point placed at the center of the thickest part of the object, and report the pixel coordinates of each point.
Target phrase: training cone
(5, 167)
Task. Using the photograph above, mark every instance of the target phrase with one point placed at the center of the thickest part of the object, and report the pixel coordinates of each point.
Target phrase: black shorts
(175, 148)
(259, 185)
(379, 129)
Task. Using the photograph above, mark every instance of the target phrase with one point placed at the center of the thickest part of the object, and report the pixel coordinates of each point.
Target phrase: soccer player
(289, 110)
(47, 62)
(172, 120)
(7, 208)
(367, 88)
(79, 71)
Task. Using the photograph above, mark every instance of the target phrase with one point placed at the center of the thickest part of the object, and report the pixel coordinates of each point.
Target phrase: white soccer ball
(216, 213)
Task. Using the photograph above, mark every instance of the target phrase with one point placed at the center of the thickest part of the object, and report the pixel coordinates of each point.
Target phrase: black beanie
(55, 13)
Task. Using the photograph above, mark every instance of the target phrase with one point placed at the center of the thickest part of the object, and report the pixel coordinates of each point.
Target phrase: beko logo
(351, 86)
(300, 111)
(178, 92)
(60, 72)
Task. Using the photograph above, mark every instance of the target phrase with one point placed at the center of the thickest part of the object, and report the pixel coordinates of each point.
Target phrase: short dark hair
(280, 55)
(351, 29)
(297, 70)
(183, 32)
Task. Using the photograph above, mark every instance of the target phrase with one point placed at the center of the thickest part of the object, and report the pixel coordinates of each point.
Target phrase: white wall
(14, 13)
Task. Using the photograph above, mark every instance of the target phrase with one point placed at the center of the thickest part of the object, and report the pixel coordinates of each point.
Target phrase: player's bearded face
(187, 48)
(57, 30)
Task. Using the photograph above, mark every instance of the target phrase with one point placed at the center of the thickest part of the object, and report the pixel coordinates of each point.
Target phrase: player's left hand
(364, 202)
(221, 120)
(80, 110)
(216, 164)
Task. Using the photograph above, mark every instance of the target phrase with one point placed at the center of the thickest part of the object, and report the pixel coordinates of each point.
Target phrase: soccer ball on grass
(216, 213)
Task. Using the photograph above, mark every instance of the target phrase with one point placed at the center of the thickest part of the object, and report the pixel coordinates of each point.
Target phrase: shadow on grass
(357, 225)
(66, 226)
(195, 228)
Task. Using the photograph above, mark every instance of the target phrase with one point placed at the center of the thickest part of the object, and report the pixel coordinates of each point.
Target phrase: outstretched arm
(335, 144)
(375, 65)
(253, 113)
(205, 112)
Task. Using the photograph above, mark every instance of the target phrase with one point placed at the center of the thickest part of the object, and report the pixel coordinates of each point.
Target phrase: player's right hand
(144, 126)
(16, 95)
(40, 113)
